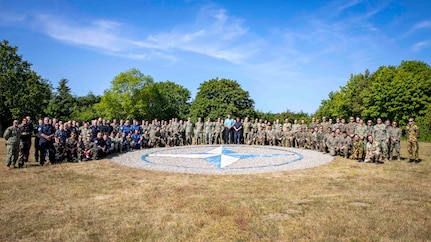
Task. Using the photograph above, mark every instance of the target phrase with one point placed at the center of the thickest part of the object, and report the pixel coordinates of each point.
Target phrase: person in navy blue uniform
(135, 126)
(36, 140)
(237, 131)
(101, 147)
(137, 140)
(46, 137)
(94, 129)
(126, 128)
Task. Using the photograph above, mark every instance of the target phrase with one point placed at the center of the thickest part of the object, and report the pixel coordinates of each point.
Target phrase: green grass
(101, 201)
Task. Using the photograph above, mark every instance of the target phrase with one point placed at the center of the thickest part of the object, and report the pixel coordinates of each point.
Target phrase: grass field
(101, 201)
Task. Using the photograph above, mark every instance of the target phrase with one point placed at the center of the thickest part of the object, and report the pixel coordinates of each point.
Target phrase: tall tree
(62, 102)
(132, 95)
(220, 97)
(176, 99)
(22, 91)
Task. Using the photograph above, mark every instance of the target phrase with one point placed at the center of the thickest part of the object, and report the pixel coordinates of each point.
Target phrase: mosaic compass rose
(221, 157)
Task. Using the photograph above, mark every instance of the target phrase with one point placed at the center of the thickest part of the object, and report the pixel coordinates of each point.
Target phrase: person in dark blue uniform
(36, 140)
(46, 136)
(237, 131)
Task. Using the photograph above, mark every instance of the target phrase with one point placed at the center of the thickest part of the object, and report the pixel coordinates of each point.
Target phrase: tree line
(390, 93)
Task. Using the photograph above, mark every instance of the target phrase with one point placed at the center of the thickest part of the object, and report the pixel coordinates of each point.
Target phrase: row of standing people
(52, 135)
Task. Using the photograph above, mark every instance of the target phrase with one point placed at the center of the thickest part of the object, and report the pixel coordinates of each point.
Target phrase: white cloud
(214, 34)
(419, 26)
(421, 45)
(100, 34)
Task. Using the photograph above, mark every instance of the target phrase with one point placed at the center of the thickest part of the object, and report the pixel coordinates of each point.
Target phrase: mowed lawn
(101, 201)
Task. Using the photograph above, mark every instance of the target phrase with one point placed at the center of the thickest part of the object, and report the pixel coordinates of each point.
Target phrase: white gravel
(173, 160)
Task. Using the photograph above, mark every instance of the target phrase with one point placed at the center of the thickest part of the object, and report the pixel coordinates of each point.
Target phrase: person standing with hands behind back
(46, 134)
(228, 131)
(12, 136)
(237, 131)
(412, 132)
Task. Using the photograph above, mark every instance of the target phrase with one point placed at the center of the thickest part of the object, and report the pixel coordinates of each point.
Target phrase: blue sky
(287, 54)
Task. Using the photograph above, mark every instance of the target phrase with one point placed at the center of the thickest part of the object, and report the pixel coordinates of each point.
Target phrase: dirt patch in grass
(101, 201)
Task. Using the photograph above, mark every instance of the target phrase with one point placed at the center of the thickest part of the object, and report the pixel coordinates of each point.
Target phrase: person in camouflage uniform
(332, 144)
(260, 136)
(146, 141)
(361, 129)
(319, 139)
(358, 148)
(208, 129)
(199, 132)
(246, 125)
(71, 147)
(90, 151)
(307, 138)
(251, 139)
(342, 126)
(295, 126)
(388, 133)
(395, 138)
(325, 124)
(81, 146)
(276, 126)
(344, 144)
(218, 131)
(372, 151)
(25, 141)
(370, 128)
(270, 136)
(189, 132)
(412, 131)
(59, 153)
(381, 137)
(299, 138)
(288, 136)
(327, 135)
(350, 127)
(12, 136)
(312, 125)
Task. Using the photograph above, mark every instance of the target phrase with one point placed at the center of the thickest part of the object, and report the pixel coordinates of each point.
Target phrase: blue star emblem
(220, 156)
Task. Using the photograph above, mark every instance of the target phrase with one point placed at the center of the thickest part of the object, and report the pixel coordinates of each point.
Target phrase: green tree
(218, 98)
(348, 101)
(391, 92)
(132, 95)
(22, 91)
(62, 102)
(176, 100)
(84, 109)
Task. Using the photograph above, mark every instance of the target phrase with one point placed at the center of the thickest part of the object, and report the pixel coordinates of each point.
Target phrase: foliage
(62, 102)
(392, 92)
(282, 116)
(218, 98)
(131, 96)
(134, 95)
(348, 101)
(22, 91)
(175, 100)
(83, 109)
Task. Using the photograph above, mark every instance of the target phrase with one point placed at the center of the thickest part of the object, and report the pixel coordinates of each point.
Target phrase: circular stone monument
(222, 159)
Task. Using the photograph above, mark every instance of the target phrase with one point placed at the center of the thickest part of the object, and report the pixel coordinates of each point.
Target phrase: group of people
(59, 141)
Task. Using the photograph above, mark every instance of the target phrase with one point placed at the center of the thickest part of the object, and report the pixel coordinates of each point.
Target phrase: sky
(287, 54)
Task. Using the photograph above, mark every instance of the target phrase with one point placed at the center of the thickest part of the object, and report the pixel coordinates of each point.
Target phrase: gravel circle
(209, 159)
